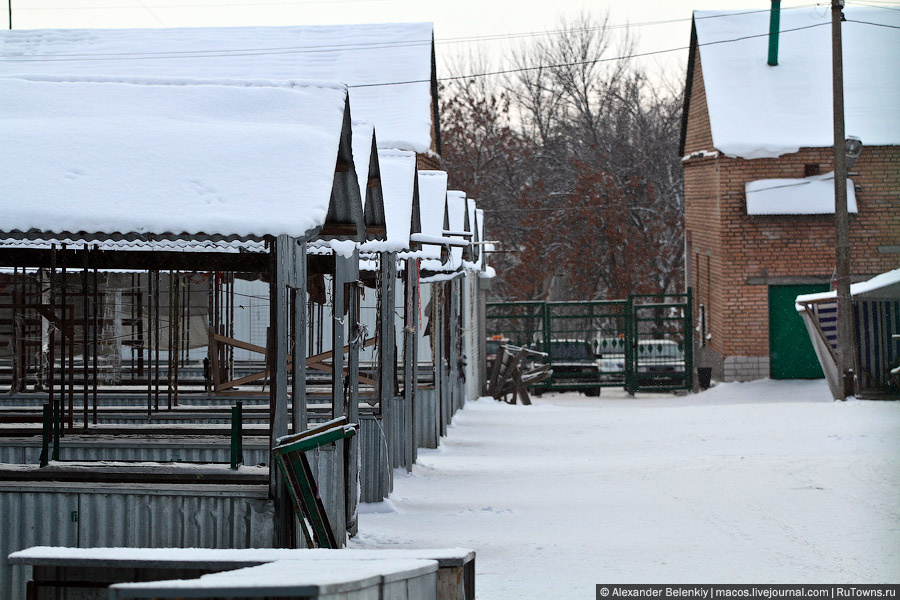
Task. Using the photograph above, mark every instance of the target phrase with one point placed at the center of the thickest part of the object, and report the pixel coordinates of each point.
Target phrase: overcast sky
(658, 24)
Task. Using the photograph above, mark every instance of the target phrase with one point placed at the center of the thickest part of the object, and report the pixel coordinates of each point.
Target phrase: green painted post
(45, 441)
(774, 25)
(237, 441)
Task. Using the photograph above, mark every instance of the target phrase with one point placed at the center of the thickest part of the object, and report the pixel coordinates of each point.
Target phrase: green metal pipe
(774, 25)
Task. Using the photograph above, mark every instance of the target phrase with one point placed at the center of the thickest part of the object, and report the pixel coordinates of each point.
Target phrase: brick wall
(425, 162)
(736, 256)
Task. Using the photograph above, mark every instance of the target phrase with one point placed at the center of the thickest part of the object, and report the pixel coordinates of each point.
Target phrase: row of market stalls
(205, 251)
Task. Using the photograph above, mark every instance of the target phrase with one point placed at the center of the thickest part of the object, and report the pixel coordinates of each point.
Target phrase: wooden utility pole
(841, 221)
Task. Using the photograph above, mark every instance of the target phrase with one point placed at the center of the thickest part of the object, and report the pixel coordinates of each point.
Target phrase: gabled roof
(399, 184)
(432, 207)
(368, 175)
(146, 158)
(362, 56)
(757, 111)
(457, 212)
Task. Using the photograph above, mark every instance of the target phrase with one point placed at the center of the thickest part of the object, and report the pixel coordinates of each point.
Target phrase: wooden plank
(338, 229)
(241, 381)
(238, 343)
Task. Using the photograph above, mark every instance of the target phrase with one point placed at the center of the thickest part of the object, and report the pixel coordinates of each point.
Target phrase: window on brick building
(810, 170)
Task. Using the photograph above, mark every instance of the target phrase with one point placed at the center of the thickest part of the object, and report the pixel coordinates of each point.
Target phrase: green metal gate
(661, 354)
(639, 344)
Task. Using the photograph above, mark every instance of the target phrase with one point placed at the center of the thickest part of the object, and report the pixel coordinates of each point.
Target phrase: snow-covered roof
(401, 199)
(456, 212)
(806, 196)
(365, 159)
(171, 158)
(885, 286)
(432, 207)
(176, 245)
(758, 111)
(361, 56)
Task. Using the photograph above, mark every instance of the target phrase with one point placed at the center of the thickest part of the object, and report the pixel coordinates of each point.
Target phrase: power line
(875, 6)
(332, 47)
(476, 38)
(582, 62)
(874, 24)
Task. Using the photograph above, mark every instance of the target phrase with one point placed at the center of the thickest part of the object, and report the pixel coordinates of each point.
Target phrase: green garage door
(791, 355)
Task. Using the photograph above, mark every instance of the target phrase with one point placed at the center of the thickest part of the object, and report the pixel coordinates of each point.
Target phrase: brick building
(759, 203)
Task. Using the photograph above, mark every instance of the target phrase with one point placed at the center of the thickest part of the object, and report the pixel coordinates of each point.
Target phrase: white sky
(452, 19)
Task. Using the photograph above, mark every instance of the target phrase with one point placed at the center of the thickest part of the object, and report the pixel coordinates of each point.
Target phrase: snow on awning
(433, 211)
(758, 111)
(474, 261)
(170, 158)
(233, 246)
(457, 216)
(807, 196)
(885, 286)
(365, 57)
(401, 200)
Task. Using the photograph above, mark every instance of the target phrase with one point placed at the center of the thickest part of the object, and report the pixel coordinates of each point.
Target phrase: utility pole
(845, 346)
(10, 14)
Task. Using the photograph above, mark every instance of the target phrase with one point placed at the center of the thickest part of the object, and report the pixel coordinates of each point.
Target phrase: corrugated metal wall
(375, 474)
(28, 451)
(109, 515)
(427, 418)
(876, 322)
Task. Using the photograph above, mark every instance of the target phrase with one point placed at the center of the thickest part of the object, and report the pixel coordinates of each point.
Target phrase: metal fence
(642, 343)
(116, 515)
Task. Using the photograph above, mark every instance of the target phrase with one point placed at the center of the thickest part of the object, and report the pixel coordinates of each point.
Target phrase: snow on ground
(760, 482)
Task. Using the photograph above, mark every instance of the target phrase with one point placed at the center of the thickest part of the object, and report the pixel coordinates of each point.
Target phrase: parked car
(573, 365)
(660, 362)
(609, 355)
(492, 349)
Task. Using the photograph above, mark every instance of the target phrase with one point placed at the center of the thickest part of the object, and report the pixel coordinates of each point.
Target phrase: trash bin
(704, 375)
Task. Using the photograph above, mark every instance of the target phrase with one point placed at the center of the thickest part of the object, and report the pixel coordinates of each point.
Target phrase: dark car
(573, 365)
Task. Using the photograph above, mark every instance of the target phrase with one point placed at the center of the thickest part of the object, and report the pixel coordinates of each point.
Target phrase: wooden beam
(237, 343)
(334, 229)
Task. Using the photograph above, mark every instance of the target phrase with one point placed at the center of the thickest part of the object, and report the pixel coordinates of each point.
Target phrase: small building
(876, 323)
(757, 149)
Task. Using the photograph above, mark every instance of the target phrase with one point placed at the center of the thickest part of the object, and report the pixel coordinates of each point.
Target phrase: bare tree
(575, 159)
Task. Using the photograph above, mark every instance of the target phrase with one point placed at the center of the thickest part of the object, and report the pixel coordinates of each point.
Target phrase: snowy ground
(756, 483)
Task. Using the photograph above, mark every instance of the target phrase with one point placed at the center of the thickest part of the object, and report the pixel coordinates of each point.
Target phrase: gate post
(630, 343)
(689, 342)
